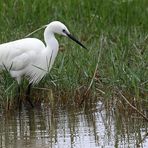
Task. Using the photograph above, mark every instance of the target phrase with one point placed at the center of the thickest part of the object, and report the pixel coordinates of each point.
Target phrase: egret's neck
(52, 46)
(50, 39)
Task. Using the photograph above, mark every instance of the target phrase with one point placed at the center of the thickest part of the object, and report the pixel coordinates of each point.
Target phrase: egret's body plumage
(30, 57)
(19, 59)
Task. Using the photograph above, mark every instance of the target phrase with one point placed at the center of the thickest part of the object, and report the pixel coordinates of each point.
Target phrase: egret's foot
(30, 102)
(18, 103)
(28, 95)
(19, 100)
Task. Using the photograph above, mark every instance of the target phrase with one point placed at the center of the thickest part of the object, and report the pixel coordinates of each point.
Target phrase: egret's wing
(20, 62)
(18, 54)
(14, 59)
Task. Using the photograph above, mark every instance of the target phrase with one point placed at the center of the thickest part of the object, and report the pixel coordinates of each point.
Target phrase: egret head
(60, 28)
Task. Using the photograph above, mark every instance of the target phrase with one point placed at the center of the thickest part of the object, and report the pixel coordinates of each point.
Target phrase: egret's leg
(19, 101)
(28, 95)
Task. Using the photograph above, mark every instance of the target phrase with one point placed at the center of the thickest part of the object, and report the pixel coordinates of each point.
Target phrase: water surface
(76, 127)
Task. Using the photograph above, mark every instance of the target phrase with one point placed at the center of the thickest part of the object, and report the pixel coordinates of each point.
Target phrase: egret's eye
(64, 30)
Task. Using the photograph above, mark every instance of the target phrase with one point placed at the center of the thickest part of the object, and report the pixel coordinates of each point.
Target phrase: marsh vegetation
(114, 31)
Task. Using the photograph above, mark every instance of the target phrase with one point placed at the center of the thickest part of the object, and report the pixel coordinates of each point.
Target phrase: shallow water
(64, 127)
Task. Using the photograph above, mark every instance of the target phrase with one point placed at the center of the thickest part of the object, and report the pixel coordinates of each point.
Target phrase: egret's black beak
(74, 39)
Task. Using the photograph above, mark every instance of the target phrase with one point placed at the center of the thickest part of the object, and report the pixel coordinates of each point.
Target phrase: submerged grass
(115, 30)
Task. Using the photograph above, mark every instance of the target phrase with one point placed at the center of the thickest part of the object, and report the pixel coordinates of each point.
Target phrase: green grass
(115, 30)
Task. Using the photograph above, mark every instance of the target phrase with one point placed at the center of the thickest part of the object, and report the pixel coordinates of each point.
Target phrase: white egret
(29, 57)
